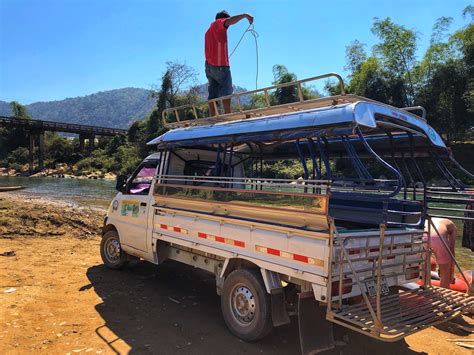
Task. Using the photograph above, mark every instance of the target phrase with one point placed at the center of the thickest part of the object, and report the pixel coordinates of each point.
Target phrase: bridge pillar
(91, 143)
(41, 150)
(81, 143)
(31, 157)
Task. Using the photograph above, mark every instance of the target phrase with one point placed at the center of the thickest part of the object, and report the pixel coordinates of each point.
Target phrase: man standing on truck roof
(217, 58)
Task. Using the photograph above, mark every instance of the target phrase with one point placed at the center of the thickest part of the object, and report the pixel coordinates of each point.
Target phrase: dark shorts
(220, 81)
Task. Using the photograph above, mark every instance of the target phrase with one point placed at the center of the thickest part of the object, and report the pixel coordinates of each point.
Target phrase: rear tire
(246, 305)
(111, 251)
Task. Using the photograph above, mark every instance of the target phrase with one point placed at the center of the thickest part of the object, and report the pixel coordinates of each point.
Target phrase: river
(99, 193)
(95, 193)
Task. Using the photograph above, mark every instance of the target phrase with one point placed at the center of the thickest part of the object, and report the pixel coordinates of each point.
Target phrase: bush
(18, 156)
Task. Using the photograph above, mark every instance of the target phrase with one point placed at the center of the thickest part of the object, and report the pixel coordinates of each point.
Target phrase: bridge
(37, 128)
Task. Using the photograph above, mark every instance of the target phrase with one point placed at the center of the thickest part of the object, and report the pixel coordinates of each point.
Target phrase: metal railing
(36, 124)
(241, 112)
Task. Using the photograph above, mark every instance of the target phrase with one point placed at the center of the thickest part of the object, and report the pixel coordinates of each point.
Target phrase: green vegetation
(442, 81)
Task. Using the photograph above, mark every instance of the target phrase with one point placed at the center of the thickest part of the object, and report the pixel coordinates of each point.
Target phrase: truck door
(134, 206)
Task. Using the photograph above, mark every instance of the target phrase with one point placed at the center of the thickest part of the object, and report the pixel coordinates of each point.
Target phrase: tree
(287, 94)
(18, 110)
(178, 86)
(397, 53)
(355, 56)
(12, 138)
(446, 89)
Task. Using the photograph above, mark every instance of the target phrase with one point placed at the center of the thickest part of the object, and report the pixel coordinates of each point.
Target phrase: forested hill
(114, 108)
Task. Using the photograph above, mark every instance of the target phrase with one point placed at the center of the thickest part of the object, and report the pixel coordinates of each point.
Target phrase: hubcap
(112, 250)
(243, 304)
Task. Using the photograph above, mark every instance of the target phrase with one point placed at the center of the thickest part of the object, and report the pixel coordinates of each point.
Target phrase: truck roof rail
(193, 114)
(417, 108)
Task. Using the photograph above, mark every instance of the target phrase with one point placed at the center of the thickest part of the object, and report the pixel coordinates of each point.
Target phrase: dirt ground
(62, 300)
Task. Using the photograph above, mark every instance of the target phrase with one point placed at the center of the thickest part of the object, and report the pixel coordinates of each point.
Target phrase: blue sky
(53, 49)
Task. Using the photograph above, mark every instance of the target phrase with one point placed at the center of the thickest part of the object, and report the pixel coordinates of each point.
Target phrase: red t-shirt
(216, 44)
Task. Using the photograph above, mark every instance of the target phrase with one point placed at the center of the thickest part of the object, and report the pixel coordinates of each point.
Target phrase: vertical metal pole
(379, 272)
(218, 160)
(222, 168)
(300, 92)
(267, 99)
(239, 104)
(231, 155)
(331, 245)
(341, 271)
(428, 256)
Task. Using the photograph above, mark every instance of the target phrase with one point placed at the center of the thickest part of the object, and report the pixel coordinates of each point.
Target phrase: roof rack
(195, 116)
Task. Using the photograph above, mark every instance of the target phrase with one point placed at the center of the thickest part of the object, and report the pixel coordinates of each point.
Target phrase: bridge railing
(60, 126)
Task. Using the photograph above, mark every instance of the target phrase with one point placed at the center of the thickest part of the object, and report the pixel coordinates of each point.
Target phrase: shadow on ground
(174, 308)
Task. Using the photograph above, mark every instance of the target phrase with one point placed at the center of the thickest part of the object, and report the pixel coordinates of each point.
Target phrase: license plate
(371, 287)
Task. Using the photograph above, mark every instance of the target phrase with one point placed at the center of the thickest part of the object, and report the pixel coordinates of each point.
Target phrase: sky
(54, 49)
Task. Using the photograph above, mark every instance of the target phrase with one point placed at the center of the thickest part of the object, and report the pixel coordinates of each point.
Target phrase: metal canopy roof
(333, 120)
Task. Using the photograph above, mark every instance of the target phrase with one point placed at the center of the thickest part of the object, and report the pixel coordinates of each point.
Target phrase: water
(94, 193)
(99, 193)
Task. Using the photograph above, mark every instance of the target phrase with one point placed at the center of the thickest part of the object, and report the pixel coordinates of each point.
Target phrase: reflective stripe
(217, 238)
(291, 256)
(173, 228)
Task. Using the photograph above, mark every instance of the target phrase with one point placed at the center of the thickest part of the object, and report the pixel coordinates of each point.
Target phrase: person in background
(447, 230)
(217, 58)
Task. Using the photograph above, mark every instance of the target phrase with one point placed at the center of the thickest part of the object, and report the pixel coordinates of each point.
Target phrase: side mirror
(121, 183)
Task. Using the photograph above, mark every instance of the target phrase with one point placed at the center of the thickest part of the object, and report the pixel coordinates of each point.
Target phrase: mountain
(117, 108)
(114, 108)
(5, 109)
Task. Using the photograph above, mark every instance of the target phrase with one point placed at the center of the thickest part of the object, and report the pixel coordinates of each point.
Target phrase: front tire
(246, 305)
(111, 251)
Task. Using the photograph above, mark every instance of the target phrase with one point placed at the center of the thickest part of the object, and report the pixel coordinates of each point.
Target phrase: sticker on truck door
(130, 208)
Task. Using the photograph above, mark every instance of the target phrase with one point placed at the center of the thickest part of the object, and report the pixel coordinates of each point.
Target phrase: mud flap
(279, 313)
(316, 333)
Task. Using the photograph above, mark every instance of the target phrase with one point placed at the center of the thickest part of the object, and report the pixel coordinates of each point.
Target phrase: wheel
(246, 305)
(112, 254)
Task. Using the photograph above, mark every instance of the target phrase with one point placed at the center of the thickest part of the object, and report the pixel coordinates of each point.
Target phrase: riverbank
(34, 216)
(58, 298)
(62, 171)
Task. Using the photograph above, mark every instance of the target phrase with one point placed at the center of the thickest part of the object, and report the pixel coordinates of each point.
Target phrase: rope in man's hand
(254, 33)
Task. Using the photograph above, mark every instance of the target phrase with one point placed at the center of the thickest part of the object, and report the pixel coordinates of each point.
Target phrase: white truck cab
(340, 247)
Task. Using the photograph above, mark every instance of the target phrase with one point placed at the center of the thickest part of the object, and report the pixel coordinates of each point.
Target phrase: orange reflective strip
(291, 256)
(219, 239)
(173, 229)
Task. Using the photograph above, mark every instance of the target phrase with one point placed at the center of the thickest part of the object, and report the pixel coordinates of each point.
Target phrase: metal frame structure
(268, 109)
(349, 239)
